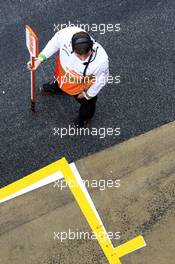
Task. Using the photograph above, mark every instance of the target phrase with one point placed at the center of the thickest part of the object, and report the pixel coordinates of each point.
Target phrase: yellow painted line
(29, 180)
(130, 246)
(84, 201)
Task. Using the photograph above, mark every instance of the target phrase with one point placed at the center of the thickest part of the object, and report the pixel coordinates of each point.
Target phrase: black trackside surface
(142, 53)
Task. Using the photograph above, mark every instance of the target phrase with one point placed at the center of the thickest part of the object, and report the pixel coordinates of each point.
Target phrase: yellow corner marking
(112, 254)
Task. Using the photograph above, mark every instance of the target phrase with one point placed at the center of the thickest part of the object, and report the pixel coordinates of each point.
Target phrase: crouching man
(82, 69)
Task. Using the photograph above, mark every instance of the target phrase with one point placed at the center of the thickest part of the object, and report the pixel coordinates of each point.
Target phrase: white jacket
(99, 65)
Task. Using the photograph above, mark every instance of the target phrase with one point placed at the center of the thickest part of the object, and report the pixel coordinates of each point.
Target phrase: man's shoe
(50, 88)
(78, 123)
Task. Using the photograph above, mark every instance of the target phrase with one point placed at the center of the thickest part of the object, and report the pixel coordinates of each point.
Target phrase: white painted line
(80, 181)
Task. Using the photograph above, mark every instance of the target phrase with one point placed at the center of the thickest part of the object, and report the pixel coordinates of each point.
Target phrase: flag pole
(33, 96)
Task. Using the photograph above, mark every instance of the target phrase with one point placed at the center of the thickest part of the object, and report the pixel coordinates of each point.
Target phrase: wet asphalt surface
(142, 53)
